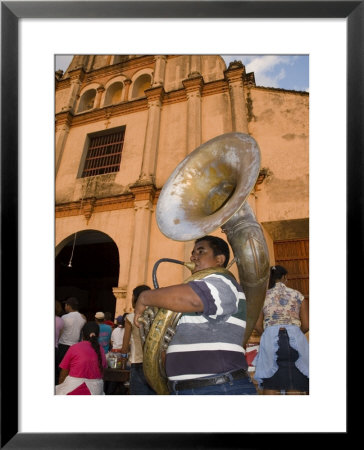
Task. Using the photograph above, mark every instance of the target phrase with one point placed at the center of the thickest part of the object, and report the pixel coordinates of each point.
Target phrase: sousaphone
(208, 190)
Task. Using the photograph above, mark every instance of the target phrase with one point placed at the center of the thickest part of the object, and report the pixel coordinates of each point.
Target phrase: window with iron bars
(104, 154)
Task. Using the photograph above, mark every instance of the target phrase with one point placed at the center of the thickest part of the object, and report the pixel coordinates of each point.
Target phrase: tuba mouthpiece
(190, 265)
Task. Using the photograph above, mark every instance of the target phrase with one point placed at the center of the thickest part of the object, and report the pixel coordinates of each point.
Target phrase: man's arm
(259, 324)
(179, 298)
(126, 338)
(304, 316)
(63, 375)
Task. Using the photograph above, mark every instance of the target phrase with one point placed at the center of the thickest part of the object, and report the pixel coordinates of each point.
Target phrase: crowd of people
(83, 347)
(205, 355)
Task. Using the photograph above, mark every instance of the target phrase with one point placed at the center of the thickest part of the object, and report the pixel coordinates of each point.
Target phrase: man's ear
(220, 260)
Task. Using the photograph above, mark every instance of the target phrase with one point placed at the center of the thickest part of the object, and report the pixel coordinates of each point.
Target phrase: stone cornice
(263, 88)
(235, 74)
(110, 111)
(63, 84)
(64, 118)
(155, 93)
(98, 205)
(142, 191)
(123, 201)
(215, 87)
(193, 84)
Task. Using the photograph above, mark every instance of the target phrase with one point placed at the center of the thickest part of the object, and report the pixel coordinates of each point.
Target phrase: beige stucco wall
(280, 126)
(179, 67)
(172, 140)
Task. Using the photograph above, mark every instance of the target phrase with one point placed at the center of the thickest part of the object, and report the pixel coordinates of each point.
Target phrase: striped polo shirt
(210, 342)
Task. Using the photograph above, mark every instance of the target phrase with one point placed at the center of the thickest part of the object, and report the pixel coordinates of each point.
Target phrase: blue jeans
(243, 386)
(138, 383)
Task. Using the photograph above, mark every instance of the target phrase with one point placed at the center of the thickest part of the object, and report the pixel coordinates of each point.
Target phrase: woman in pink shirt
(82, 366)
(58, 329)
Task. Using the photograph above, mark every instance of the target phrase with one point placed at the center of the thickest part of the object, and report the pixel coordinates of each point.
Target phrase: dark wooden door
(293, 254)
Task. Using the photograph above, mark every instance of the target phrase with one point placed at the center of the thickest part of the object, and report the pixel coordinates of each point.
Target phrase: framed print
(27, 81)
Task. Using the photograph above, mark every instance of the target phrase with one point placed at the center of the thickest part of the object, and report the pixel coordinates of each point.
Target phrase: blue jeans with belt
(243, 386)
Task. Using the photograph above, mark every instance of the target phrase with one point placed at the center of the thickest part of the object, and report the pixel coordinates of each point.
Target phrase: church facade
(122, 125)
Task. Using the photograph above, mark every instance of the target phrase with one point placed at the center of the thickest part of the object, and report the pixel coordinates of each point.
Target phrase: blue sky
(279, 71)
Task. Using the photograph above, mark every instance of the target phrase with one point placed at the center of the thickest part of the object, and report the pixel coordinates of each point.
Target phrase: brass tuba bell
(208, 190)
(208, 187)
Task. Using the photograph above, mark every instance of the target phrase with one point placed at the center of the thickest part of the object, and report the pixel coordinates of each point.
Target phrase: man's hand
(138, 310)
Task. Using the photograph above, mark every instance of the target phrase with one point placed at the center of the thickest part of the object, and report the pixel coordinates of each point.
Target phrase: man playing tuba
(205, 356)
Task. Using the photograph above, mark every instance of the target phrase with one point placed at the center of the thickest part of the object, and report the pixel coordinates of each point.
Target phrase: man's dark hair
(108, 316)
(72, 302)
(138, 290)
(218, 245)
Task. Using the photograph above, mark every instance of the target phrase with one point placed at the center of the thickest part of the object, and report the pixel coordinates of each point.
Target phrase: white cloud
(265, 68)
(268, 69)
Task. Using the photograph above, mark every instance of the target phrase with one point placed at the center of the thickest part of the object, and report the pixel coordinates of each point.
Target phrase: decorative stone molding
(107, 121)
(193, 84)
(143, 192)
(99, 92)
(235, 73)
(88, 207)
(249, 79)
(120, 293)
(144, 204)
(124, 201)
(155, 96)
(235, 64)
(127, 84)
(77, 74)
(63, 118)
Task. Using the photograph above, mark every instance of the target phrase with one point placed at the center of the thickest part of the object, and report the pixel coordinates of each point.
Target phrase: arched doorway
(87, 267)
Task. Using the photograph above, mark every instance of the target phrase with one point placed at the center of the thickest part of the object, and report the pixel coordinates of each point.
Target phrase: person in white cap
(105, 331)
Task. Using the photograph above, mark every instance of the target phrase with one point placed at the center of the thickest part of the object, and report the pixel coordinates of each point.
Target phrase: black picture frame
(11, 12)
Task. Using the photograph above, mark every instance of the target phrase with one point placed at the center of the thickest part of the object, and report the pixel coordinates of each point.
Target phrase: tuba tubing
(247, 241)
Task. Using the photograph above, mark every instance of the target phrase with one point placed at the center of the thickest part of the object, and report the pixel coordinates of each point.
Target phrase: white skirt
(96, 387)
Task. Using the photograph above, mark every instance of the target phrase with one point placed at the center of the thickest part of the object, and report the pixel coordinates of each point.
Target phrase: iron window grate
(104, 154)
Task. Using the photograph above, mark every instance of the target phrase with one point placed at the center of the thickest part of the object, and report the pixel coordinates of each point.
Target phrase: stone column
(159, 70)
(99, 92)
(195, 64)
(127, 84)
(143, 207)
(155, 97)
(76, 80)
(121, 305)
(234, 76)
(193, 87)
(63, 123)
